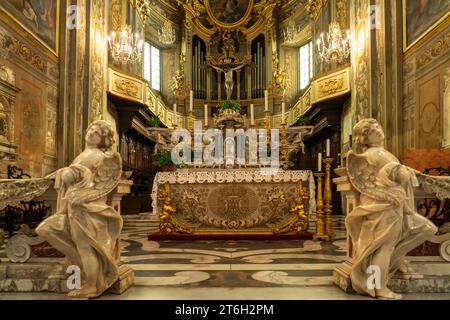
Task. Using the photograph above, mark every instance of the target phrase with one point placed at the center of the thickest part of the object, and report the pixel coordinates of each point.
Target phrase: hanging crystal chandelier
(290, 33)
(125, 46)
(334, 46)
(167, 33)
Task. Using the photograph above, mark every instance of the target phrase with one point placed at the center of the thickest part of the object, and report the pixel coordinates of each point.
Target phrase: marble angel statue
(85, 228)
(385, 226)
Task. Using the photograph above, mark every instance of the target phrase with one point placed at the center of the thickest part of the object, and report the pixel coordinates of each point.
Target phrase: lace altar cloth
(247, 176)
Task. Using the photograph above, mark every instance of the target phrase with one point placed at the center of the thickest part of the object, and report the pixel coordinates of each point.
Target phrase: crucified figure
(229, 83)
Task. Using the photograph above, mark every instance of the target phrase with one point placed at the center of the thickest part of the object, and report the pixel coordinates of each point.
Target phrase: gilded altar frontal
(218, 150)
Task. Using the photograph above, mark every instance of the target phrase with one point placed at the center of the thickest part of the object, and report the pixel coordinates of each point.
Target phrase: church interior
(225, 149)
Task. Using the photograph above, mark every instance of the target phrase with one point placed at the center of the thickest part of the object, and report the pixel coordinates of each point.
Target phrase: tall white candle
(175, 108)
(191, 101)
(319, 161)
(252, 114)
(328, 148)
(283, 111)
(206, 114)
(266, 100)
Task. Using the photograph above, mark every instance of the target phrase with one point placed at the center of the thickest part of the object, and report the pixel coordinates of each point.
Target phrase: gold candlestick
(327, 198)
(284, 144)
(267, 124)
(191, 121)
(320, 228)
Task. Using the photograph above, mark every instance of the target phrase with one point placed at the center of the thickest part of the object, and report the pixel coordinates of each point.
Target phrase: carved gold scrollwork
(313, 7)
(29, 55)
(279, 83)
(178, 85)
(127, 87)
(331, 86)
(168, 224)
(142, 7)
(438, 48)
(298, 222)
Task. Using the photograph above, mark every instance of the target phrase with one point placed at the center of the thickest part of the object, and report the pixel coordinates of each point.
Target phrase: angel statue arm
(385, 226)
(86, 228)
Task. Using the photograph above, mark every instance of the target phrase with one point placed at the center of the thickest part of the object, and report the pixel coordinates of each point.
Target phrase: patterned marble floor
(243, 270)
(229, 264)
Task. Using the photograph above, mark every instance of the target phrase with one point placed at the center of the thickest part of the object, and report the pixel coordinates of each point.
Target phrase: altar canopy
(238, 201)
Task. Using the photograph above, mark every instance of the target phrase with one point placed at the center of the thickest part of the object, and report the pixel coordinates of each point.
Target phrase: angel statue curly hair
(105, 131)
(360, 132)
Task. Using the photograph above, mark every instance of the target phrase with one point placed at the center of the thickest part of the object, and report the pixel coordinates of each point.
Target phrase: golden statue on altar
(299, 220)
(168, 224)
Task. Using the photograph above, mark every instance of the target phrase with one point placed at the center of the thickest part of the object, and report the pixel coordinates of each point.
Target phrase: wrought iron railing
(30, 213)
(435, 209)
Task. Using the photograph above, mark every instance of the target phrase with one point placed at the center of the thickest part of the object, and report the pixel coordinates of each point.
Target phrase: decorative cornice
(313, 7)
(30, 56)
(437, 49)
(142, 7)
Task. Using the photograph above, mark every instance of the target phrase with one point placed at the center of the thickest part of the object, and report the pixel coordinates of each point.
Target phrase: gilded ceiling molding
(142, 7)
(313, 7)
(301, 37)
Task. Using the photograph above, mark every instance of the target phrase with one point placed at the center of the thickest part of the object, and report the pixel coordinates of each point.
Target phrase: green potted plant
(229, 105)
(163, 160)
(303, 121)
(154, 121)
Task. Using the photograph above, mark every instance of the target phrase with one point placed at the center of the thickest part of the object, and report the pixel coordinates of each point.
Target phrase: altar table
(231, 201)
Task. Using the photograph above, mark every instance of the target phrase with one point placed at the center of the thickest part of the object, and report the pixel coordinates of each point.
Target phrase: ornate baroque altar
(233, 201)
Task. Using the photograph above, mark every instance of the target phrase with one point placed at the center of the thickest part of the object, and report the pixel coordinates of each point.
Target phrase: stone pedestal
(429, 274)
(37, 275)
(425, 275)
(48, 274)
(126, 280)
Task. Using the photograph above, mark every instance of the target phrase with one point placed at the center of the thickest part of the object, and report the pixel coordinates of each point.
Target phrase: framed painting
(229, 14)
(420, 17)
(40, 18)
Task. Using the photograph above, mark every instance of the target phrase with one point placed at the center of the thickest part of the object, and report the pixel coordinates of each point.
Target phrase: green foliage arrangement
(303, 121)
(229, 105)
(154, 121)
(163, 158)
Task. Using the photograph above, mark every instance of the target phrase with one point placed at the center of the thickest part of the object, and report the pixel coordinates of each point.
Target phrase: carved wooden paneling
(429, 105)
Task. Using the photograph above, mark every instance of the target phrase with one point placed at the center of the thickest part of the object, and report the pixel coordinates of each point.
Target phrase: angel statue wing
(364, 177)
(106, 178)
(437, 185)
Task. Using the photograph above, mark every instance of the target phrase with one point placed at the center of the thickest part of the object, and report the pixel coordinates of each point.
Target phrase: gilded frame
(229, 26)
(36, 37)
(407, 47)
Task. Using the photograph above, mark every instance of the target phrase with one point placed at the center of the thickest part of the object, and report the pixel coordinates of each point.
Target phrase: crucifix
(228, 63)
(228, 70)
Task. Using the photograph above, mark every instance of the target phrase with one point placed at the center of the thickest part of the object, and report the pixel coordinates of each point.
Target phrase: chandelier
(334, 46)
(125, 46)
(290, 33)
(167, 33)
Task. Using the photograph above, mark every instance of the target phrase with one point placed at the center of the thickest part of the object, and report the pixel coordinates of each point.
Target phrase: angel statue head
(367, 133)
(100, 134)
